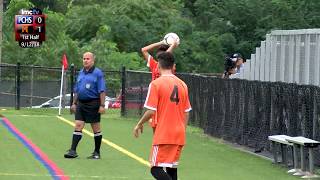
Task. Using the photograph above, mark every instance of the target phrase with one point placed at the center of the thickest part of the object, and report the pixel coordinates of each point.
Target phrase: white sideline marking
(109, 143)
(28, 115)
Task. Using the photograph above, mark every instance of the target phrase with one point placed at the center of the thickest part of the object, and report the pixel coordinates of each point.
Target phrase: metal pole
(317, 63)
(61, 84)
(64, 91)
(284, 154)
(290, 60)
(295, 169)
(141, 100)
(18, 86)
(257, 64)
(274, 151)
(31, 85)
(297, 70)
(306, 60)
(268, 58)
(141, 96)
(1, 20)
(311, 166)
(123, 91)
(302, 158)
(262, 60)
(252, 66)
(295, 156)
(282, 57)
(72, 71)
(273, 60)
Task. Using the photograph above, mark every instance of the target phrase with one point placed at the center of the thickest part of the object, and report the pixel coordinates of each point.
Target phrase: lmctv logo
(33, 11)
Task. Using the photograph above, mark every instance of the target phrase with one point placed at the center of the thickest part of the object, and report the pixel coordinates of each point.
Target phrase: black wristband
(102, 105)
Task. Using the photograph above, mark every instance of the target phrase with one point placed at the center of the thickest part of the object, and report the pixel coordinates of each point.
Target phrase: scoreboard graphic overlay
(30, 28)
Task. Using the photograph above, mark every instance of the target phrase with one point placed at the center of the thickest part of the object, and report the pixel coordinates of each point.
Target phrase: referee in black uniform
(88, 105)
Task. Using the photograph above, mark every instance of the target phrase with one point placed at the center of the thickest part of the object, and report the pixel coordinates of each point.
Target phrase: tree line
(116, 30)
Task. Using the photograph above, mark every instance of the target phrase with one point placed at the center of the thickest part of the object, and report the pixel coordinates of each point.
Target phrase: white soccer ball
(170, 38)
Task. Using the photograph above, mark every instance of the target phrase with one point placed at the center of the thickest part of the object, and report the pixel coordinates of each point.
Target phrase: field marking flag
(64, 67)
(65, 62)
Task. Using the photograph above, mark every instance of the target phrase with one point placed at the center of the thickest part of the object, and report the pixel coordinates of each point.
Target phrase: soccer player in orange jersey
(152, 63)
(168, 99)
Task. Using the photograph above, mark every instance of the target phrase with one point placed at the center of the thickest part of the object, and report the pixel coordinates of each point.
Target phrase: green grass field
(203, 158)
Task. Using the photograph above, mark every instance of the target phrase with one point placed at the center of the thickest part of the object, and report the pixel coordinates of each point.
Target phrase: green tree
(82, 23)
(50, 53)
(108, 55)
(116, 30)
(60, 6)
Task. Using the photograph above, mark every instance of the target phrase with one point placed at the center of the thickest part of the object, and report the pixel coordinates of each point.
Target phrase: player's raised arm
(172, 46)
(145, 50)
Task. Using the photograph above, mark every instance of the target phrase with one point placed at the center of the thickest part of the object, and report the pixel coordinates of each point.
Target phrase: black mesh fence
(243, 112)
(37, 85)
(40, 84)
(239, 111)
(136, 89)
(7, 86)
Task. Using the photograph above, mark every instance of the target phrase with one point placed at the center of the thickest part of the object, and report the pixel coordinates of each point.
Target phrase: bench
(280, 140)
(302, 142)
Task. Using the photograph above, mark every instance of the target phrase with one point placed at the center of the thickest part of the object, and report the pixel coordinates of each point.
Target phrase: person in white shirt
(239, 61)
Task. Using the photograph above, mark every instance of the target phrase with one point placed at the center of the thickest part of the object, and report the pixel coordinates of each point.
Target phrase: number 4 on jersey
(174, 95)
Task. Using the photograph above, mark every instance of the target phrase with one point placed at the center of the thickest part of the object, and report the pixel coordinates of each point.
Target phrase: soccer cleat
(94, 155)
(71, 154)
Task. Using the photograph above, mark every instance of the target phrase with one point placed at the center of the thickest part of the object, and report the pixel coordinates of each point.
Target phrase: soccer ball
(170, 38)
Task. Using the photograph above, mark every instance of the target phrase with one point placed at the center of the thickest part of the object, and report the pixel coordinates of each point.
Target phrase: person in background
(239, 62)
(88, 105)
(229, 68)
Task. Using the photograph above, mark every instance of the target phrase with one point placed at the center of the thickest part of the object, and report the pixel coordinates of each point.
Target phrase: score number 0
(39, 20)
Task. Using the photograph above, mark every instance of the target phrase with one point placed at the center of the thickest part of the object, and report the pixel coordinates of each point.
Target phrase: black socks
(97, 141)
(173, 173)
(77, 135)
(160, 174)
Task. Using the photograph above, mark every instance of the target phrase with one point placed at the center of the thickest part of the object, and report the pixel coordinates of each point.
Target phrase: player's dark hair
(162, 48)
(229, 64)
(166, 60)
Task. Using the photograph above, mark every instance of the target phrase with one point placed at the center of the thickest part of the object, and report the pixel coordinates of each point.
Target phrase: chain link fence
(241, 111)
(28, 86)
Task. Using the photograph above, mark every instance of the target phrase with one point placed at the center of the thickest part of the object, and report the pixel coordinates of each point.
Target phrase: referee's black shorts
(88, 111)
